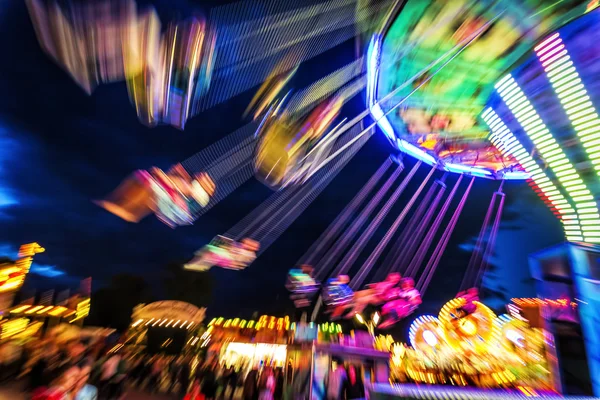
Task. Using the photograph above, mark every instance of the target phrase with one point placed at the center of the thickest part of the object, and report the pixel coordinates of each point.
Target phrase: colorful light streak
(547, 146)
(507, 143)
(373, 56)
(13, 327)
(578, 106)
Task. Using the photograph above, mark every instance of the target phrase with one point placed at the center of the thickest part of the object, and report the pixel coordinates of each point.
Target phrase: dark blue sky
(60, 149)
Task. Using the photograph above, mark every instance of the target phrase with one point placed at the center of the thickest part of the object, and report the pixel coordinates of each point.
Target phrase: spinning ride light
(511, 355)
(166, 82)
(226, 253)
(511, 333)
(472, 331)
(426, 333)
(337, 292)
(173, 197)
(302, 285)
(266, 94)
(397, 302)
(439, 122)
(374, 294)
(270, 219)
(301, 281)
(401, 303)
(229, 160)
(166, 74)
(287, 147)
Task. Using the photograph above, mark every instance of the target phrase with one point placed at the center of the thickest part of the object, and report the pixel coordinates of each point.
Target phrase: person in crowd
(146, 373)
(174, 367)
(137, 371)
(354, 388)
(266, 385)
(209, 382)
(336, 380)
(83, 390)
(250, 390)
(112, 376)
(278, 394)
(231, 379)
(221, 376)
(37, 375)
(62, 388)
(184, 375)
(194, 393)
(155, 374)
(10, 354)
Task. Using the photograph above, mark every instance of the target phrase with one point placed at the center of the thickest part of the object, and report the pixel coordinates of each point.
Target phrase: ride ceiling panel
(442, 116)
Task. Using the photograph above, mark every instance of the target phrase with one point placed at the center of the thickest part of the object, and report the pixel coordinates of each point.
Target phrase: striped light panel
(546, 145)
(507, 143)
(571, 92)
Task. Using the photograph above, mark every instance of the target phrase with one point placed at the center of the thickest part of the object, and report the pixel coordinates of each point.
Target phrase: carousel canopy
(440, 61)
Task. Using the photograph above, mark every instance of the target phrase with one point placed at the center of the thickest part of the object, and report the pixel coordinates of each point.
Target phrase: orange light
(58, 310)
(46, 309)
(20, 309)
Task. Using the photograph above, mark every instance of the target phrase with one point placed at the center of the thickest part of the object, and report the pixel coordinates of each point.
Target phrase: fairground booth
(168, 327)
(36, 315)
(305, 352)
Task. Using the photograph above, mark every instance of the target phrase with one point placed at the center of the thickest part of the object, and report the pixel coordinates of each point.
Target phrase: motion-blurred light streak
(98, 43)
(325, 86)
(243, 63)
(290, 202)
(228, 161)
(327, 239)
(213, 153)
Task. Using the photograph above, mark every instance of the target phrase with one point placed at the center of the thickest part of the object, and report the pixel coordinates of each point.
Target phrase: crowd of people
(76, 370)
(91, 370)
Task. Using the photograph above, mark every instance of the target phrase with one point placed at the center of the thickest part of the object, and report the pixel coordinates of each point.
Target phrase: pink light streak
(549, 47)
(539, 46)
(552, 52)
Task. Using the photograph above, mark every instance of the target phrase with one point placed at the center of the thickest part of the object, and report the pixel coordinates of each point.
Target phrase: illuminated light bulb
(551, 48)
(430, 338)
(468, 327)
(546, 42)
(554, 58)
(359, 318)
(136, 323)
(515, 337)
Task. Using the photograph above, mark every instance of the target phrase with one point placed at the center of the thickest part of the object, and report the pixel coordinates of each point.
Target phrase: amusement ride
(485, 90)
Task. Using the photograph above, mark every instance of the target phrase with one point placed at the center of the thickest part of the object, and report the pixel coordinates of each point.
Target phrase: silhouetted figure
(354, 388)
(251, 385)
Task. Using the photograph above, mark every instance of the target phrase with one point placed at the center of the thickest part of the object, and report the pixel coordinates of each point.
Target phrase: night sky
(60, 149)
